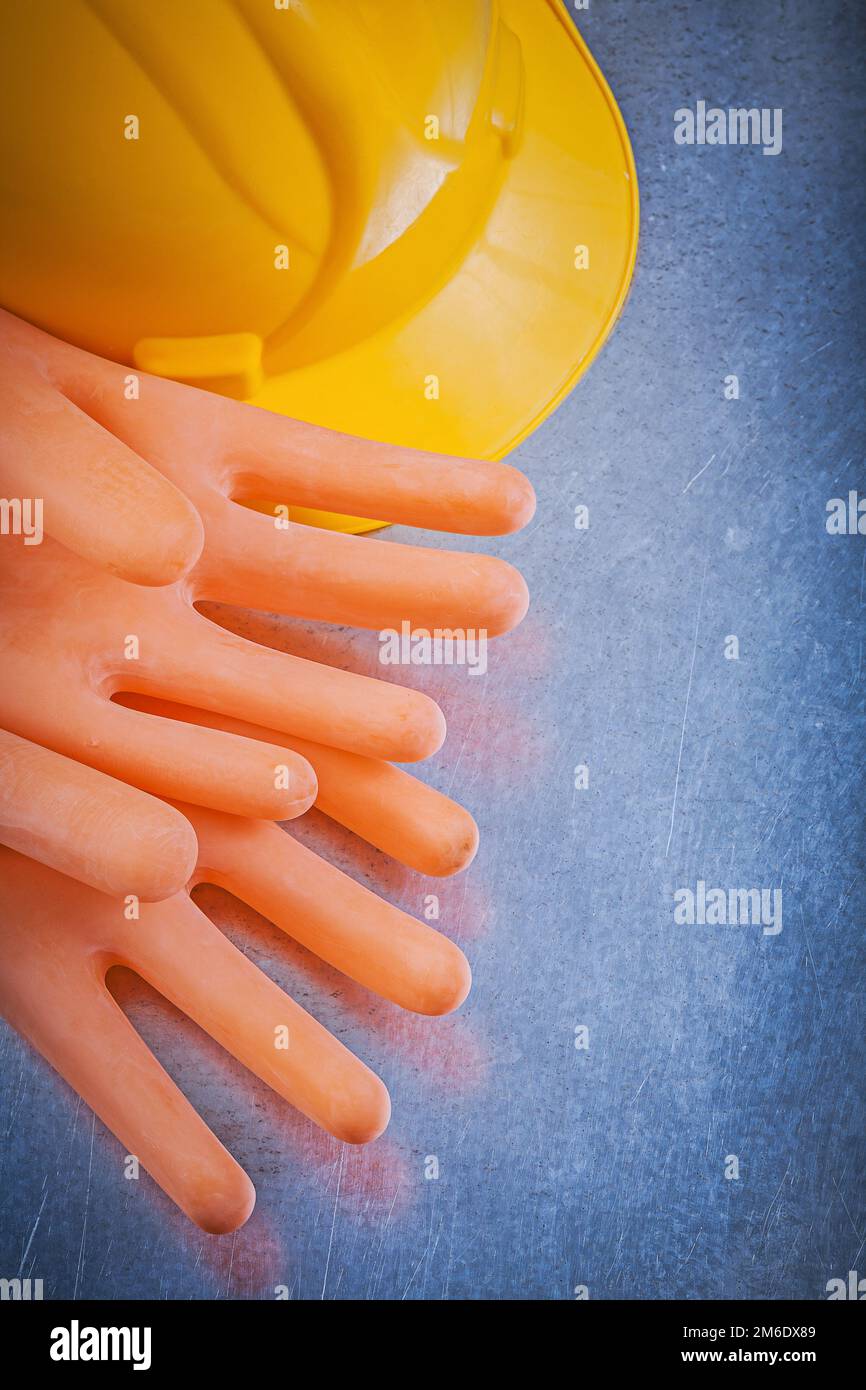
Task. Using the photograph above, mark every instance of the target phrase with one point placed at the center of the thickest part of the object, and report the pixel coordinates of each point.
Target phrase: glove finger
(207, 766)
(359, 581)
(341, 921)
(205, 666)
(308, 466)
(90, 826)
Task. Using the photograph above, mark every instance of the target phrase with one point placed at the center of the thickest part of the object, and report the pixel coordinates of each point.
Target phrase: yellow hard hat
(412, 221)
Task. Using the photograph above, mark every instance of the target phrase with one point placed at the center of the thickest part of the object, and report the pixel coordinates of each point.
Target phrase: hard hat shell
(412, 222)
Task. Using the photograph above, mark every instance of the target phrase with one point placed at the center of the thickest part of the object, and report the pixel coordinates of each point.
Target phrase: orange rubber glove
(59, 938)
(71, 629)
(75, 437)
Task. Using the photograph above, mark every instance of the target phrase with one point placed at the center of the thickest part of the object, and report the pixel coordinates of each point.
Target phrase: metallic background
(605, 1167)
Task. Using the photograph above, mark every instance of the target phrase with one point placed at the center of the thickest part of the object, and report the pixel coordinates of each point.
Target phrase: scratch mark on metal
(699, 474)
(333, 1223)
(686, 710)
(80, 1265)
(823, 348)
(33, 1231)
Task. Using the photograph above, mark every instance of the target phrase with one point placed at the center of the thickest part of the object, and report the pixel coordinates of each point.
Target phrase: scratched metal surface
(605, 1168)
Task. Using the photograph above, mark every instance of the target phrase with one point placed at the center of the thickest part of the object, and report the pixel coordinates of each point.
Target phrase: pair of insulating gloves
(144, 749)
